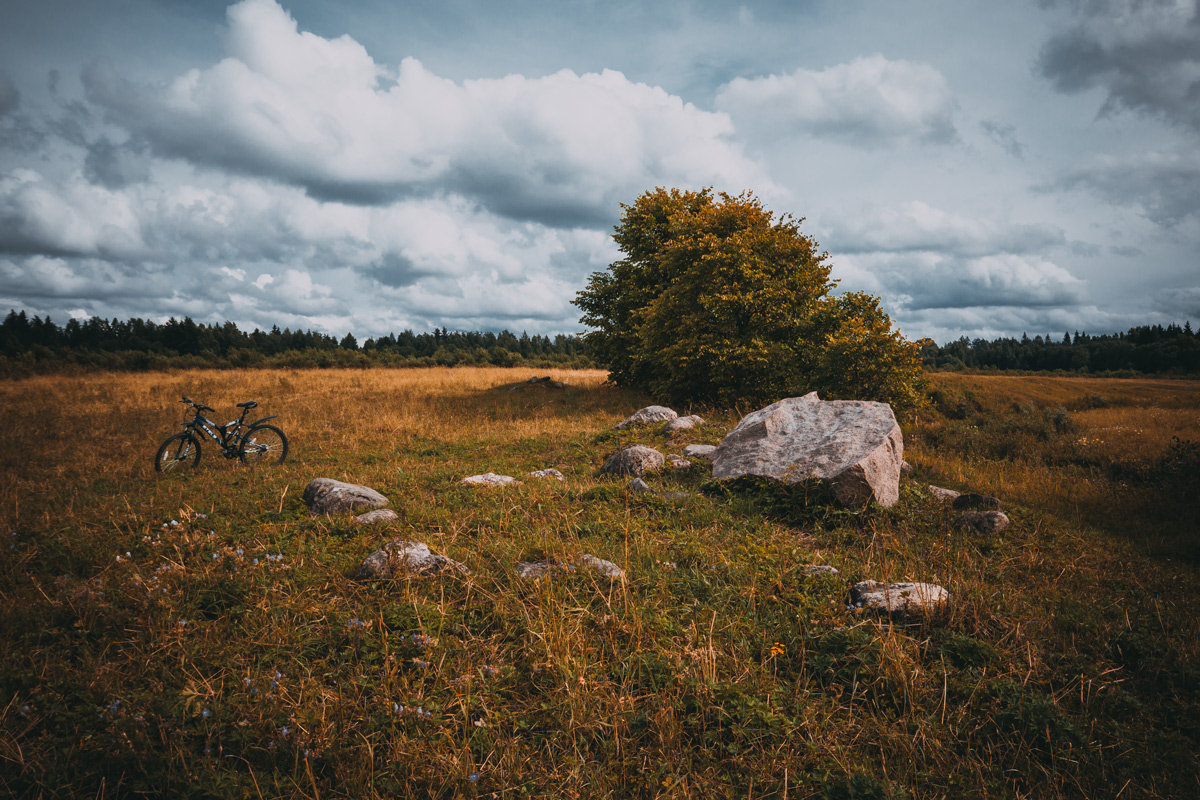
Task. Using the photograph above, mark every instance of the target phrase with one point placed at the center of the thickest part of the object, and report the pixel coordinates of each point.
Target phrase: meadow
(198, 634)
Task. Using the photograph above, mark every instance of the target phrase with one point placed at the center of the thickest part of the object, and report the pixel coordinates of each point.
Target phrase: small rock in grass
(683, 423)
(546, 473)
(532, 570)
(329, 496)
(638, 486)
(906, 468)
(489, 479)
(904, 601)
(402, 556)
(705, 451)
(604, 568)
(535, 570)
(635, 460)
(678, 462)
(674, 497)
(944, 495)
(645, 415)
(977, 502)
(376, 516)
(819, 569)
(983, 521)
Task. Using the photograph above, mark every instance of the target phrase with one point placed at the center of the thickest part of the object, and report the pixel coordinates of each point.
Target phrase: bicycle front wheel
(177, 452)
(264, 444)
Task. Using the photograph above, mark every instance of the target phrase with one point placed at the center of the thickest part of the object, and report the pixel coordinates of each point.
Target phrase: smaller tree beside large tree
(717, 300)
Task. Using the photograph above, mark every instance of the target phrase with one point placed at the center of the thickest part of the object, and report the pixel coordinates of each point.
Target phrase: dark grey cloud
(1166, 188)
(1144, 55)
(116, 165)
(1179, 303)
(1005, 136)
(10, 98)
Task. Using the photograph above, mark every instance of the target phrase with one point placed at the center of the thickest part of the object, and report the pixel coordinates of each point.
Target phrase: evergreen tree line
(38, 345)
(1145, 349)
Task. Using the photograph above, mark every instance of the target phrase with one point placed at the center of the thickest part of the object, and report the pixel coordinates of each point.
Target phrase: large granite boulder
(646, 415)
(635, 460)
(855, 446)
(327, 496)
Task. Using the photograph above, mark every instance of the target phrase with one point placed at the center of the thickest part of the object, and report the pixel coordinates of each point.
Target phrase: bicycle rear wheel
(264, 444)
(177, 452)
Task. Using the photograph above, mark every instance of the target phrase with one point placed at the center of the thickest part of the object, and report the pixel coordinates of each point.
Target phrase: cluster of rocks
(854, 447)
(328, 497)
(980, 513)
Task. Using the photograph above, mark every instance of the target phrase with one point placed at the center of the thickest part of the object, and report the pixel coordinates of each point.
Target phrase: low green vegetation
(198, 634)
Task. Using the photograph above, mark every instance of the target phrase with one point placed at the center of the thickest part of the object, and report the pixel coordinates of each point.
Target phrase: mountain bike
(253, 443)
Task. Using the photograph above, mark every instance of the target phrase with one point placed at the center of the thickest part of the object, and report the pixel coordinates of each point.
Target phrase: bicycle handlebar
(197, 406)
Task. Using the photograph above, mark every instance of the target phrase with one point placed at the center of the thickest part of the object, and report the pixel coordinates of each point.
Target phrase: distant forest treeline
(1146, 349)
(39, 345)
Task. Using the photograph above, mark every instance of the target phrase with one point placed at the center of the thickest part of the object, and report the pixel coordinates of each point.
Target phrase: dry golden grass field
(199, 634)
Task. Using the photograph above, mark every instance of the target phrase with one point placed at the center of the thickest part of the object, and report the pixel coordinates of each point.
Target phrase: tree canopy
(719, 300)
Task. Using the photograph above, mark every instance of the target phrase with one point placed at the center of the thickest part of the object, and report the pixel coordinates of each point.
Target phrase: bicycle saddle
(249, 404)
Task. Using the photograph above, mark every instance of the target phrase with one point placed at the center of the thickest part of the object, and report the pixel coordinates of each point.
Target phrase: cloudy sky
(373, 165)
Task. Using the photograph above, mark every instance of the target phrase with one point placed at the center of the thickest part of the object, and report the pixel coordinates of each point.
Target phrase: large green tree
(719, 300)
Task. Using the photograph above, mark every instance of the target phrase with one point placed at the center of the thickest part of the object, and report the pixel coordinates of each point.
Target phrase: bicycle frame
(228, 436)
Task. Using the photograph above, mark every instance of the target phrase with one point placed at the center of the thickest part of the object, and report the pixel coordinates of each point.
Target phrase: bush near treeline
(39, 345)
(1146, 348)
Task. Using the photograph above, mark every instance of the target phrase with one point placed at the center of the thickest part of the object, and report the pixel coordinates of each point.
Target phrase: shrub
(718, 300)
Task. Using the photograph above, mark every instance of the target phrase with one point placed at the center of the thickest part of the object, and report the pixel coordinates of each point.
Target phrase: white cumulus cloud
(320, 113)
(871, 102)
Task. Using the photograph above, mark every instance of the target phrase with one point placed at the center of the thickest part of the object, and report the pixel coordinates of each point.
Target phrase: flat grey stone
(704, 451)
(402, 556)
(329, 496)
(646, 415)
(376, 516)
(945, 495)
(638, 486)
(820, 569)
(532, 570)
(489, 479)
(854, 446)
(907, 601)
